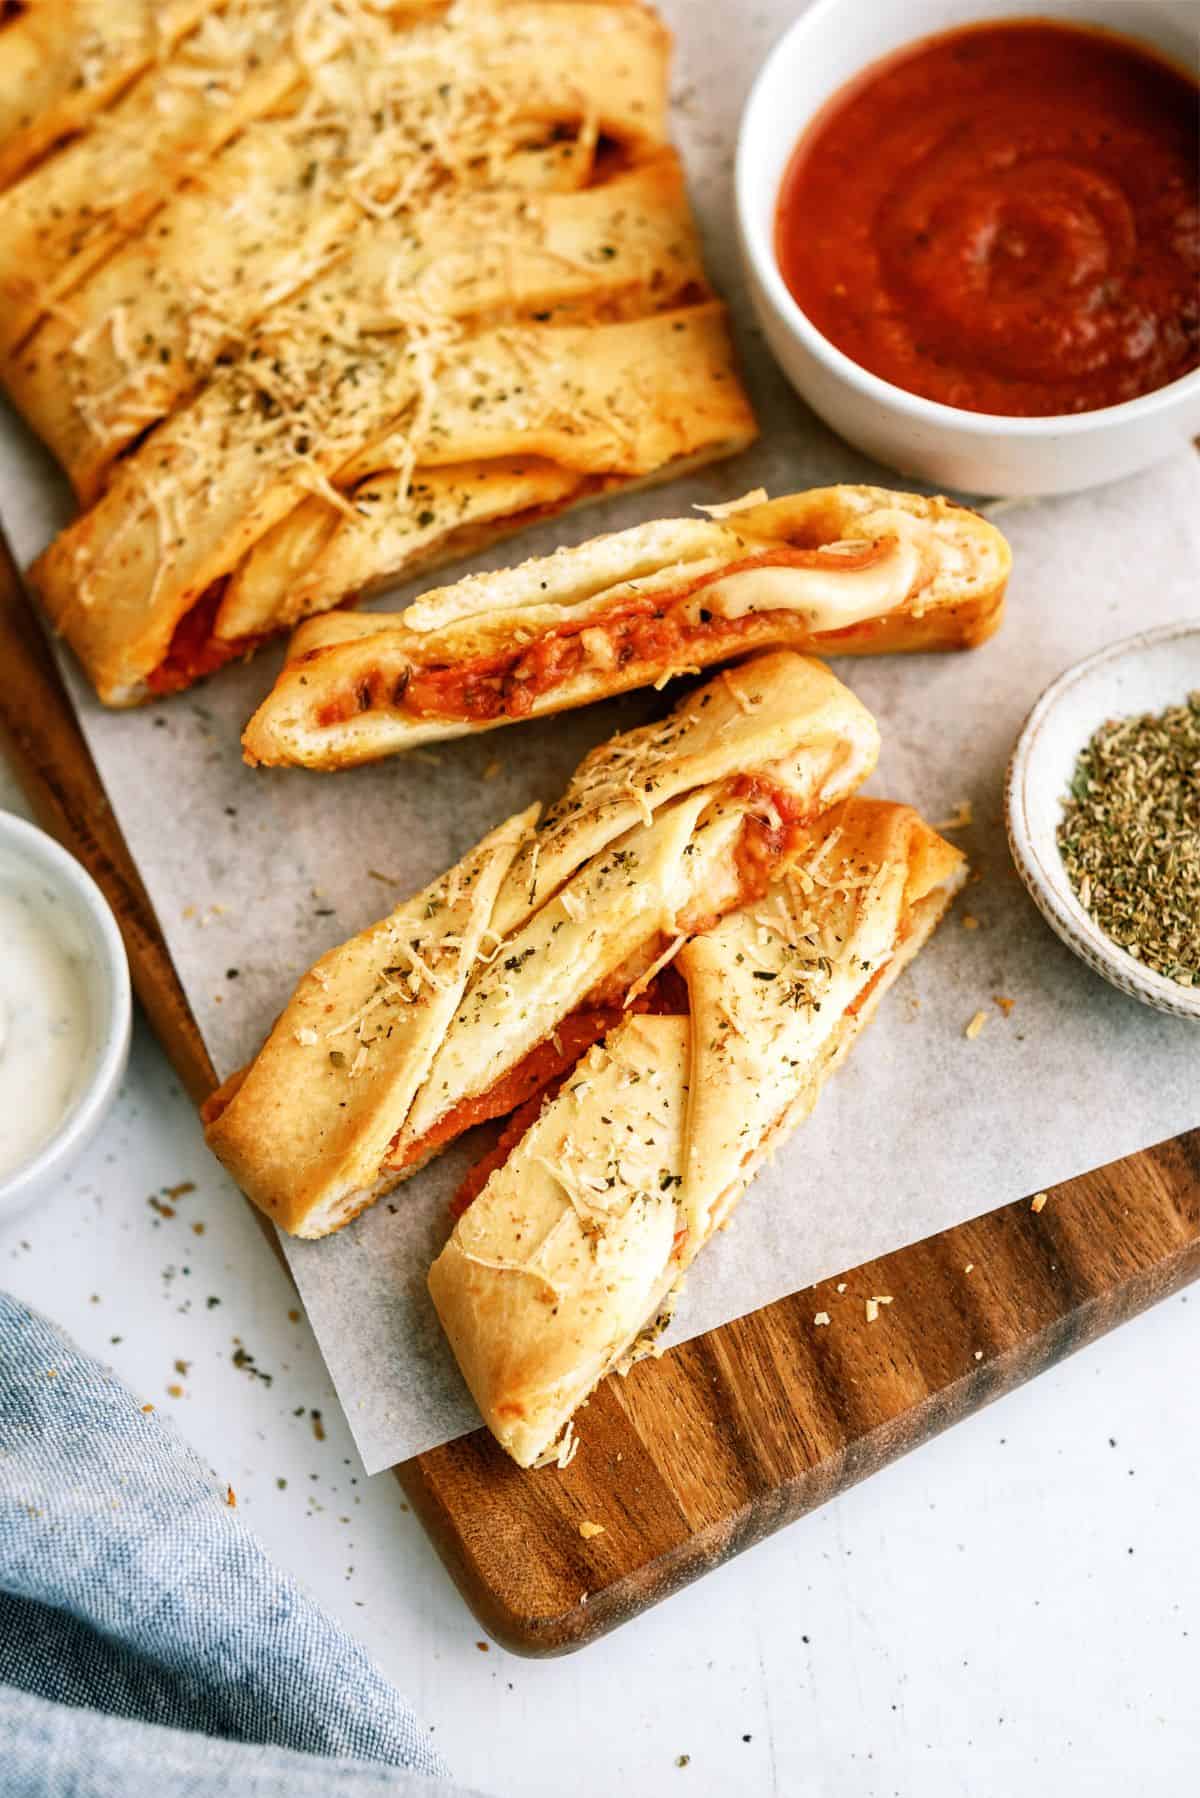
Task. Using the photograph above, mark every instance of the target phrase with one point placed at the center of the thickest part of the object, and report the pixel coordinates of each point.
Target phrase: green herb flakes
(1130, 837)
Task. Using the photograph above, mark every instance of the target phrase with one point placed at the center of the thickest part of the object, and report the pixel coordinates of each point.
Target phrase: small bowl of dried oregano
(1103, 807)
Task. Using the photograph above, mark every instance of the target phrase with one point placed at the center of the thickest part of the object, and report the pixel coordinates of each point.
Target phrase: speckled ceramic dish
(1145, 673)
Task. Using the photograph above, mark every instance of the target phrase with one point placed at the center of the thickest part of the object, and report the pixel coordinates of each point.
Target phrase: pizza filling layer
(520, 1094)
(769, 834)
(194, 651)
(555, 1055)
(655, 631)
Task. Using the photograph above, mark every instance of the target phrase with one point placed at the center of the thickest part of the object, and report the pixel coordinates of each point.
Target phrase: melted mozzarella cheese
(828, 599)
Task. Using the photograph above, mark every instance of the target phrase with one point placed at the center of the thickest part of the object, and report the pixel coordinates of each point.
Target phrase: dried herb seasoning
(1130, 837)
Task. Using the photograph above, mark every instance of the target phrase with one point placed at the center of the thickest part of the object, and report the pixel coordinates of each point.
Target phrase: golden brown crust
(613, 402)
(305, 1128)
(74, 208)
(937, 582)
(141, 335)
(254, 62)
(779, 713)
(62, 61)
(573, 1245)
(101, 580)
(766, 983)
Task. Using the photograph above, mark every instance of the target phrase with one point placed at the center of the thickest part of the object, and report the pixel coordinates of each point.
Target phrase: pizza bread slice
(837, 571)
(432, 1021)
(562, 1265)
(315, 296)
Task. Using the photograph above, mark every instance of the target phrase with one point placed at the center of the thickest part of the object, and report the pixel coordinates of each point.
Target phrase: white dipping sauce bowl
(975, 452)
(1145, 673)
(28, 854)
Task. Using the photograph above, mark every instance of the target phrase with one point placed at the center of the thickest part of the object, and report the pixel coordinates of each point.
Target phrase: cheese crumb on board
(588, 1529)
(822, 1317)
(1038, 1201)
(976, 1025)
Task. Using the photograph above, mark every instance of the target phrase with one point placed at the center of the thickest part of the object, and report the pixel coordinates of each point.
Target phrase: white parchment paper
(253, 875)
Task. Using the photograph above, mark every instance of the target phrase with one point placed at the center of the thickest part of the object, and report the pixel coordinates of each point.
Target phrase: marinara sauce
(1005, 218)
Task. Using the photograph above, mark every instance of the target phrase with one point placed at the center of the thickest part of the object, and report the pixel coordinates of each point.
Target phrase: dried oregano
(1130, 837)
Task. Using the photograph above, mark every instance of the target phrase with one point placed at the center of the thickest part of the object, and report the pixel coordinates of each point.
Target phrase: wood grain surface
(698, 1455)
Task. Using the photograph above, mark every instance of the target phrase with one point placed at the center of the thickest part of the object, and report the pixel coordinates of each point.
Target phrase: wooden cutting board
(698, 1455)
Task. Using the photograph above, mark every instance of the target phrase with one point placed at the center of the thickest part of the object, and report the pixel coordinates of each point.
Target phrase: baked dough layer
(306, 1126)
(62, 61)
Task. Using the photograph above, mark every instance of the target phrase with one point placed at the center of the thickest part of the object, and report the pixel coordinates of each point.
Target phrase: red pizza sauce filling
(194, 651)
(656, 630)
(769, 834)
(546, 1065)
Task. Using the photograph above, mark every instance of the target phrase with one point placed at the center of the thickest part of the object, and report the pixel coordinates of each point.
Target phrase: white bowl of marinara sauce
(832, 44)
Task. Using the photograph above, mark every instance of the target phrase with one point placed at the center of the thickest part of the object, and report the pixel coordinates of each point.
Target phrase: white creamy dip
(45, 1014)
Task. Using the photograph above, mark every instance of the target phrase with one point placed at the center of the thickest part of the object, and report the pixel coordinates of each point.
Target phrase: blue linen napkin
(147, 1643)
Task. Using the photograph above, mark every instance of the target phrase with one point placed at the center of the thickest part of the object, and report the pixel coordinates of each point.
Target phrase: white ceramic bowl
(974, 452)
(1145, 673)
(30, 854)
